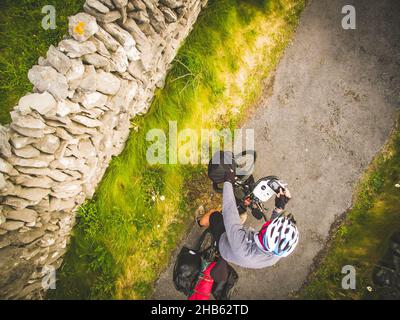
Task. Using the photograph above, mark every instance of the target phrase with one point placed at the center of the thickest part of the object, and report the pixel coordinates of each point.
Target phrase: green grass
(362, 238)
(124, 239)
(23, 41)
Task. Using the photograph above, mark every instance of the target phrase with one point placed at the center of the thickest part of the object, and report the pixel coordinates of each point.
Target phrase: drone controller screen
(275, 186)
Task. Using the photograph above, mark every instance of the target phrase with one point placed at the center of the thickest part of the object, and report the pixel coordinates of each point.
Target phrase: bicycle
(251, 194)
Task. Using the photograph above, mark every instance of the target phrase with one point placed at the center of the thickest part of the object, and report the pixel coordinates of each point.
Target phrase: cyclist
(277, 238)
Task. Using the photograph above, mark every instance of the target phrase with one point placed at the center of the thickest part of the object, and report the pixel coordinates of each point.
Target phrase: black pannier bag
(225, 279)
(186, 270)
(220, 162)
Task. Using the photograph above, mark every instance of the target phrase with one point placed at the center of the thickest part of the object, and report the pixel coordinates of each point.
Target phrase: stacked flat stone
(64, 134)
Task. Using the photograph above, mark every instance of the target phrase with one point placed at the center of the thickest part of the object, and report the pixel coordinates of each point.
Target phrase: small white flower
(397, 185)
(235, 110)
(369, 289)
(153, 198)
(158, 226)
(162, 198)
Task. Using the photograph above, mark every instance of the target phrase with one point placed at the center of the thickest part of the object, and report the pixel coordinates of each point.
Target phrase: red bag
(203, 288)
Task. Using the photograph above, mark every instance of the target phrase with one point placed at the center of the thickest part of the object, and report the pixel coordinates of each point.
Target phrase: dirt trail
(334, 103)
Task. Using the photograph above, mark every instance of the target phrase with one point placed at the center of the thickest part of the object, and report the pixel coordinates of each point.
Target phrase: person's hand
(230, 176)
(282, 198)
(286, 193)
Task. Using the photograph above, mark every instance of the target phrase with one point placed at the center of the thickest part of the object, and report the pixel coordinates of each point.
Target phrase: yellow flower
(80, 28)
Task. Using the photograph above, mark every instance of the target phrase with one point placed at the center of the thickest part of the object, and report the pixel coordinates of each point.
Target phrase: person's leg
(217, 227)
(204, 221)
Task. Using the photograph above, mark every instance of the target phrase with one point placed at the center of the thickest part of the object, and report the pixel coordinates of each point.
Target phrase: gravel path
(334, 102)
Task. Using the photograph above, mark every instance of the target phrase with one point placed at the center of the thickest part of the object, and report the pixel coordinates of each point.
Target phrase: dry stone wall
(63, 135)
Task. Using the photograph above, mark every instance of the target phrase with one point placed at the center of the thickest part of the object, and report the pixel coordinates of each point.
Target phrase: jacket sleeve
(237, 235)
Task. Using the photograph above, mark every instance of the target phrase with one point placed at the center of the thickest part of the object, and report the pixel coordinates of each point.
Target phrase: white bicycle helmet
(281, 236)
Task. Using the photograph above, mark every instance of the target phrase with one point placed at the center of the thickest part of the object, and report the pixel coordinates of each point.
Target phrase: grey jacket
(237, 245)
